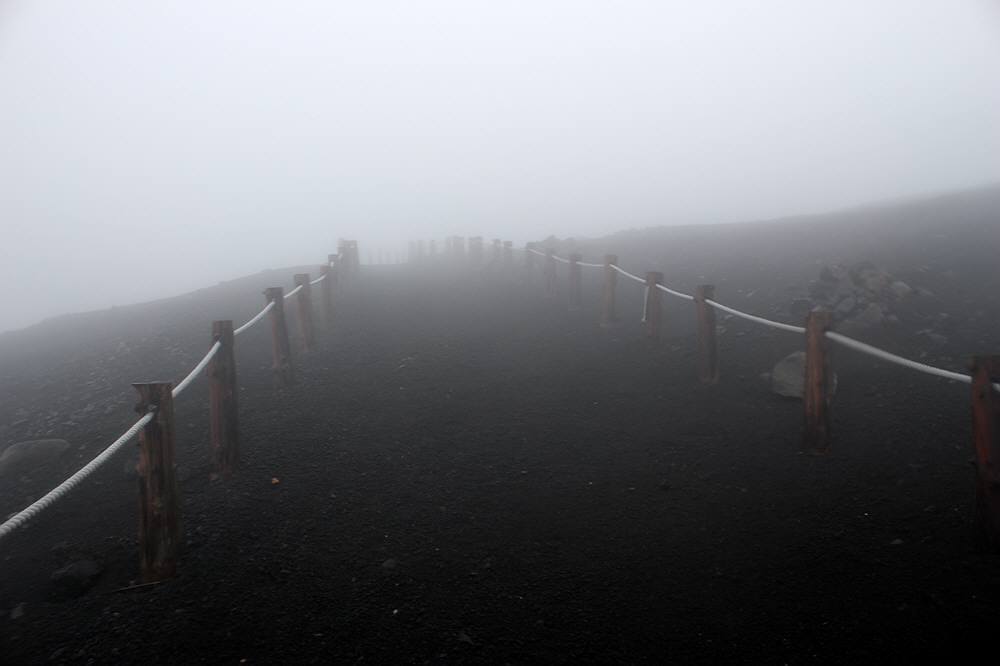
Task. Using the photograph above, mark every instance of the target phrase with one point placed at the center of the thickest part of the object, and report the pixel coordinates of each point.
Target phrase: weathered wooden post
(575, 288)
(326, 287)
(432, 249)
(550, 272)
(495, 259)
(355, 258)
(281, 354)
(159, 508)
(608, 315)
(816, 438)
(986, 439)
(653, 308)
(708, 354)
(508, 255)
(529, 258)
(222, 401)
(306, 329)
(460, 247)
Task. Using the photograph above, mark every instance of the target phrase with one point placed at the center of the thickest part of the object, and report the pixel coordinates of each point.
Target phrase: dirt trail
(469, 472)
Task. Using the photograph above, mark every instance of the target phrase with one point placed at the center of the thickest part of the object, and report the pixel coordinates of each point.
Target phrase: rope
(293, 292)
(589, 265)
(686, 297)
(531, 249)
(183, 384)
(560, 259)
(627, 274)
(59, 491)
(256, 318)
(864, 348)
(645, 303)
(319, 279)
(760, 320)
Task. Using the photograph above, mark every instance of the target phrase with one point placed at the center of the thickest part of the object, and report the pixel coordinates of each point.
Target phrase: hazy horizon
(210, 142)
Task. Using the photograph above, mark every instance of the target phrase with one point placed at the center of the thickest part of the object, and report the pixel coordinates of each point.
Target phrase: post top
(611, 258)
(274, 293)
(654, 276)
(301, 278)
(576, 256)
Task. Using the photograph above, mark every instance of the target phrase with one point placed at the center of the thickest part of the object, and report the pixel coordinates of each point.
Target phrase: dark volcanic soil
(470, 473)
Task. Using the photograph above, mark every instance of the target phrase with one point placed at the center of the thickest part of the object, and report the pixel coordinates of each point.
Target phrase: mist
(147, 151)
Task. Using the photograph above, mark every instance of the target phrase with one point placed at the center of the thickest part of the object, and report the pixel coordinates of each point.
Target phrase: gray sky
(212, 139)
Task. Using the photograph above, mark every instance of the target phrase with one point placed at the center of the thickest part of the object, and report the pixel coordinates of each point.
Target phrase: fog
(146, 151)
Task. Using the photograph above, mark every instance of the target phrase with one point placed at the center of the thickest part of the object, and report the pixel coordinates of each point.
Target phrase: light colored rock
(900, 289)
(28, 456)
(871, 316)
(845, 306)
(788, 377)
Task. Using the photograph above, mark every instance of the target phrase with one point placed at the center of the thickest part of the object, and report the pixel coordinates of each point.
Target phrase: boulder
(75, 578)
(788, 377)
(873, 315)
(29, 456)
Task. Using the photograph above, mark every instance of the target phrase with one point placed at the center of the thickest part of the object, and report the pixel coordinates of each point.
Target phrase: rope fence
(159, 525)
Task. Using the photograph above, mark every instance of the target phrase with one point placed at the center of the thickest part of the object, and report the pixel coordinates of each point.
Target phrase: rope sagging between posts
(256, 318)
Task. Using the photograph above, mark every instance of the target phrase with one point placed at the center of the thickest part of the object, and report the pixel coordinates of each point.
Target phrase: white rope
(590, 265)
(686, 297)
(256, 318)
(645, 303)
(560, 259)
(293, 291)
(319, 279)
(183, 384)
(627, 274)
(59, 491)
(531, 249)
(864, 348)
(760, 320)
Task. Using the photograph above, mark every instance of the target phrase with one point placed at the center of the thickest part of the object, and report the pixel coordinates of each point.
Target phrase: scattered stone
(872, 315)
(76, 578)
(17, 612)
(900, 289)
(28, 456)
(390, 564)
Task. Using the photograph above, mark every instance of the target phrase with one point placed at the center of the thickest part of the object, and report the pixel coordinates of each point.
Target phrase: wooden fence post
(653, 310)
(550, 272)
(326, 292)
(306, 329)
(608, 316)
(495, 257)
(223, 401)
(708, 353)
(816, 399)
(432, 249)
(529, 258)
(284, 374)
(575, 288)
(355, 258)
(159, 508)
(508, 255)
(986, 439)
(476, 249)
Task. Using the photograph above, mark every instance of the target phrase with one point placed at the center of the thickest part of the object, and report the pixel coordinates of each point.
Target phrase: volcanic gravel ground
(467, 472)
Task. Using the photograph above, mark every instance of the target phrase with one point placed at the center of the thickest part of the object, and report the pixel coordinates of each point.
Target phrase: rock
(900, 289)
(871, 316)
(28, 456)
(846, 306)
(17, 612)
(788, 377)
(75, 578)
(390, 564)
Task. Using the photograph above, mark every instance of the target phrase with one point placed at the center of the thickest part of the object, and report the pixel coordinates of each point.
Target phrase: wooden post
(460, 247)
(432, 249)
(986, 439)
(654, 305)
(529, 258)
(550, 272)
(355, 264)
(326, 287)
(306, 329)
(496, 252)
(708, 354)
(222, 401)
(816, 399)
(159, 508)
(508, 255)
(608, 315)
(281, 350)
(476, 249)
(575, 289)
